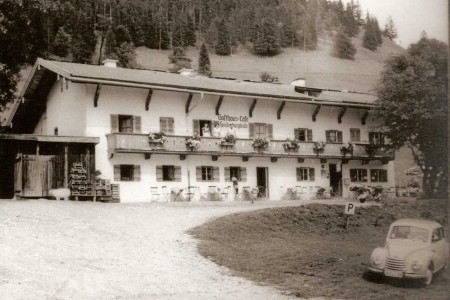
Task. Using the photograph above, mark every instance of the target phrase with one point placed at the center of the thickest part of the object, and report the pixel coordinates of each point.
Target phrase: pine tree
(110, 43)
(343, 46)
(267, 41)
(61, 44)
(223, 46)
(204, 64)
(190, 36)
(126, 55)
(179, 59)
(369, 40)
(389, 29)
(122, 35)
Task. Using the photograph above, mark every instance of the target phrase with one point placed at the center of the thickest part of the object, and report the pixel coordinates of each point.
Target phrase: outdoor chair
(226, 193)
(154, 193)
(212, 193)
(165, 194)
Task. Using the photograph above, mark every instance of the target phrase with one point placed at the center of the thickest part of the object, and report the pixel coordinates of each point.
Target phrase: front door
(262, 181)
(336, 178)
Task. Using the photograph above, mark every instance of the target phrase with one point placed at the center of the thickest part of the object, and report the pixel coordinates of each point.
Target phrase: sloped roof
(193, 84)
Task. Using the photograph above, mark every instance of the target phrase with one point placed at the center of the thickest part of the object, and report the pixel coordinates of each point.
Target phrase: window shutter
(339, 136)
(269, 132)
(243, 174)
(114, 123)
(215, 173)
(327, 134)
(159, 173)
(137, 124)
(177, 173)
(198, 173)
(227, 174)
(196, 126)
(299, 172)
(136, 173)
(296, 133)
(171, 126)
(116, 172)
(312, 176)
(162, 124)
(251, 130)
(310, 136)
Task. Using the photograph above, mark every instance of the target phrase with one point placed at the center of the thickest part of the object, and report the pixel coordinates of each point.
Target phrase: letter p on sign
(349, 208)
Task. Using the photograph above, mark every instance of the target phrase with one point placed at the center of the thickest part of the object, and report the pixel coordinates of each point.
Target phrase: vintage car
(414, 248)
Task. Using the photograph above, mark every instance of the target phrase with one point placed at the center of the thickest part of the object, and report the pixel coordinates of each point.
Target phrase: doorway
(262, 181)
(336, 178)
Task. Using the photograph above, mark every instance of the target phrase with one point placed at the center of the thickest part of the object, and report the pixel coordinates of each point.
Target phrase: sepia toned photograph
(224, 149)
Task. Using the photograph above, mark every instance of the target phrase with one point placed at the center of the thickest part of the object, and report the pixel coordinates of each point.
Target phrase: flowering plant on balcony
(193, 142)
(319, 146)
(347, 149)
(228, 140)
(291, 144)
(260, 142)
(371, 148)
(157, 137)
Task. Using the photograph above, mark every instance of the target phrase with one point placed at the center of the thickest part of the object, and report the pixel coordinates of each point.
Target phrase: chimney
(299, 82)
(110, 63)
(187, 72)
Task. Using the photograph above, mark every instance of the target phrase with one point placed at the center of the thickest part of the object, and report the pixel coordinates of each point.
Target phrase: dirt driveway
(85, 250)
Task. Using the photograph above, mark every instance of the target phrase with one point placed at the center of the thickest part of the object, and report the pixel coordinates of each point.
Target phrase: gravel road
(85, 250)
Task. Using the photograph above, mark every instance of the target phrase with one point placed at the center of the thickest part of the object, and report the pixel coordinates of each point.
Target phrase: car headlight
(416, 266)
(377, 260)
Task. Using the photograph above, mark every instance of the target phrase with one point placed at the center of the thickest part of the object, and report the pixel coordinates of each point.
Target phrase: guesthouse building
(152, 134)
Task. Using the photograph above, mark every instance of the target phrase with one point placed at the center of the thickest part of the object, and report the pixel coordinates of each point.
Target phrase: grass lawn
(307, 252)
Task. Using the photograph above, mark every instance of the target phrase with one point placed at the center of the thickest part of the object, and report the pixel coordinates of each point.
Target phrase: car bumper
(403, 274)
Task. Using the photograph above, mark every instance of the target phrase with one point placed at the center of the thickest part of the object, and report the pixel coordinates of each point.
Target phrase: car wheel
(362, 200)
(428, 276)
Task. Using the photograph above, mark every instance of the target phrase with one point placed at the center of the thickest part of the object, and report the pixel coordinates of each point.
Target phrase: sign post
(348, 211)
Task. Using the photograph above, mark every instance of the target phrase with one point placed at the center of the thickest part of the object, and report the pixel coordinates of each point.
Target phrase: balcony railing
(139, 143)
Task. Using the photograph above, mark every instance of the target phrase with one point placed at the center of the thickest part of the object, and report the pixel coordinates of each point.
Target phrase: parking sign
(349, 208)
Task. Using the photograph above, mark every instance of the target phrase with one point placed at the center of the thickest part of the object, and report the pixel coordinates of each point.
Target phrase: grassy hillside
(319, 68)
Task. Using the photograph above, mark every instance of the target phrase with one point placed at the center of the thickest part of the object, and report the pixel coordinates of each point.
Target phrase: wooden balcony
(139, 143)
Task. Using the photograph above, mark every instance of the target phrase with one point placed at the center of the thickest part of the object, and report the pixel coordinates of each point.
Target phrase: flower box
(193, 142)
(319, 147)
(291, 145)
(347, 149)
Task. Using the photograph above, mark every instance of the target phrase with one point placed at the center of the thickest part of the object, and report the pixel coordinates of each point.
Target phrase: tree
(61, 44)
(372, 36)
(267, 38)
(412, 103)
(126, 55)
(204, 64)
(343, 46)
(389, 29)
(223, 46)
(179, 59)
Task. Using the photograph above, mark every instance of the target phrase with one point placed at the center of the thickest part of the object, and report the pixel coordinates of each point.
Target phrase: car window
(410, 233)
(437, 235)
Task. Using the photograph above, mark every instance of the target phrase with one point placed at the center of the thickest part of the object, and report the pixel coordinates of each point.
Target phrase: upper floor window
(305, 174)
(260, 130)
(358, 175)
(203, 127)
(303, 134)
(125, 123)
(127, 172)
(334, 136)
(376, 138)
(166, 125)
(355, 135)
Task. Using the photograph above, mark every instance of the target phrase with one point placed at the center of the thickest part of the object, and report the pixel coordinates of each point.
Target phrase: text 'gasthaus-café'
(133, 130)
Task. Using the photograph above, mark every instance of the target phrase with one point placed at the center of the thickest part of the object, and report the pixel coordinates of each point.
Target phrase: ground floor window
(305, 174)
(168, 173)
(239, 172)
(207, 173)
(127, 173)
(358, 175)
(378, 175)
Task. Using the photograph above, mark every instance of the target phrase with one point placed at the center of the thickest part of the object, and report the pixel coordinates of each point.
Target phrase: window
(239, 172)
(378, 175)
(207, 173)
(438, 234)
(305, 174)
(358, 175)
(168, 173)
(376, 138)
(125, 123)
(127, 173)
(166, 125)
(355, 135)
(303, 134)
(260, 130)
(334, 136)
(203, 127)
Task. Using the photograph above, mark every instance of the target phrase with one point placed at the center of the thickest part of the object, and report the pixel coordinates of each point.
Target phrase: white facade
(71, 110)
